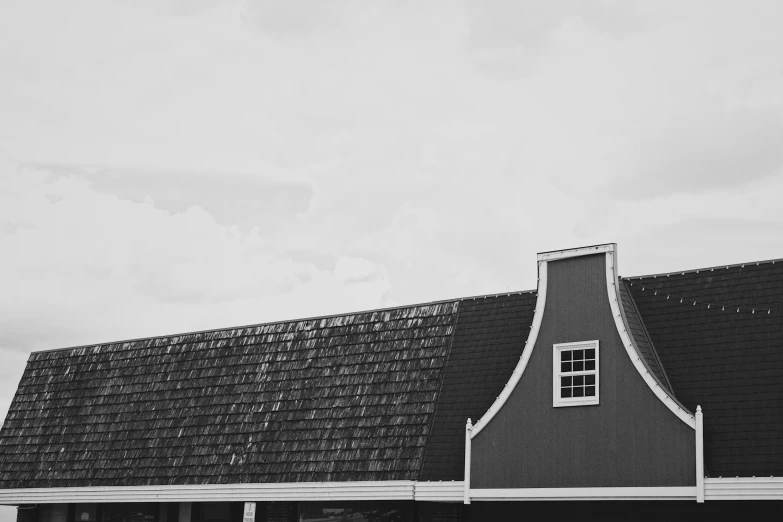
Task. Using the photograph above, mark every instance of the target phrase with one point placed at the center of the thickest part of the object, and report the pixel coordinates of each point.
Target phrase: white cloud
(82, 266)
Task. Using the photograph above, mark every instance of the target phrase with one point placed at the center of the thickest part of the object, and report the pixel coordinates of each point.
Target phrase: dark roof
(719, 334)
(488, 342)
(341, 398)
(641, 338)
(381, 395)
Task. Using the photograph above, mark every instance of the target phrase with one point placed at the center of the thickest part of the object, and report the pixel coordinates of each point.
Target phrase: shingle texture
(380, 395)
(641, 338)
(488, 342)
(333, 399)
(725, 353)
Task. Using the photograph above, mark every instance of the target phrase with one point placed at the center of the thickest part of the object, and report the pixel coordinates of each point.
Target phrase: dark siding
(630, 439)
(728, 361)
(330, 399)
(488, 341)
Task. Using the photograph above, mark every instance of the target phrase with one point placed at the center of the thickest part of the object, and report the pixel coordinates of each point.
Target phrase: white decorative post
(699, 455)
(468, 431)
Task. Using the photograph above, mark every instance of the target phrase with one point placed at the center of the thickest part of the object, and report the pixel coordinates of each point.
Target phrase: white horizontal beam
(440, 491)
(386, 490)
(576, 252)
(743, 488)
(320, 491)
(634, 493)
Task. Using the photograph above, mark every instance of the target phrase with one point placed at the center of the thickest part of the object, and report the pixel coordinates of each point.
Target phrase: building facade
(593, 396)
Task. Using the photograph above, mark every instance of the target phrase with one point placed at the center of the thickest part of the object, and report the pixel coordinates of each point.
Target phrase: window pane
(579, 380)
(590, 354)
(579, 355)
(579, 392)
(565, 392)
(589, 365)
(565, 381)
(590, 391)
(579, 366)
(589, 379)
(565, 367)
(565, 355)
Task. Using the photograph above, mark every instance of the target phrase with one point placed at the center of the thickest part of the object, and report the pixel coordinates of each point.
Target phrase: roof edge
(665, 376)
(711, 268)
(615, 302)
(516, 375)
(282, 321)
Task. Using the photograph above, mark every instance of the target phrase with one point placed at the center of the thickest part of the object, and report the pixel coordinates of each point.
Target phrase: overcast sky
(175, 165)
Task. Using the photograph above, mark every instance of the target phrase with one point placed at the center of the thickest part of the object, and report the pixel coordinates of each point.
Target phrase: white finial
(470, 424)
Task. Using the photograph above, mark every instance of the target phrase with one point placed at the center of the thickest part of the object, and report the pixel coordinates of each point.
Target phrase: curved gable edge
(629, 310)
(612, 287)
(538, 316)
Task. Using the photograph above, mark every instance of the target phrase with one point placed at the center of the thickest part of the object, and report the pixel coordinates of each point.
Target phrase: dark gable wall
(630, 439)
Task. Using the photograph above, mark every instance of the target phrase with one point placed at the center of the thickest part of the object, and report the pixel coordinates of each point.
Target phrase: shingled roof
(719, 334)
(380, 395)
(343, 398)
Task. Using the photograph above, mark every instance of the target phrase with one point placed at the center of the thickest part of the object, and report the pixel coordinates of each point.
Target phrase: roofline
(542, 256)
(696, 270)
(284, 321)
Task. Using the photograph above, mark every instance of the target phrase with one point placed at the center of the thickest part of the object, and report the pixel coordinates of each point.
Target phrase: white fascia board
(577, 252)
(652, 493)
(440, 491)
(321, 491)
(743, 488)
(538, 317)
(622, 329)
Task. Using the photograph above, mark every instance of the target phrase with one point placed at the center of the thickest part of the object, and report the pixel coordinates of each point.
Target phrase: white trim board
(538, 317)
(577, 252)
(439, 491)
(743, 488)
(652, 493)
(319, 491)
(614, 302)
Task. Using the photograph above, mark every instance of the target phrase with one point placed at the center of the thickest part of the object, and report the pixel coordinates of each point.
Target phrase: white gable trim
(614, 301)
(609, 249)
(301, 491)
(538, 316)
(576, 252)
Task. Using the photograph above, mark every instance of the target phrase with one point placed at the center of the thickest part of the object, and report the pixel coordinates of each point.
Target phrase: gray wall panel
(629, 439)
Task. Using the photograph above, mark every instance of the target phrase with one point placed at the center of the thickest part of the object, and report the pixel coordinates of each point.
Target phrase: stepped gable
(719, 334)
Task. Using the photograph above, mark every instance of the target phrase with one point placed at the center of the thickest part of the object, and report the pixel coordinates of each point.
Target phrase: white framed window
(575, 376)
